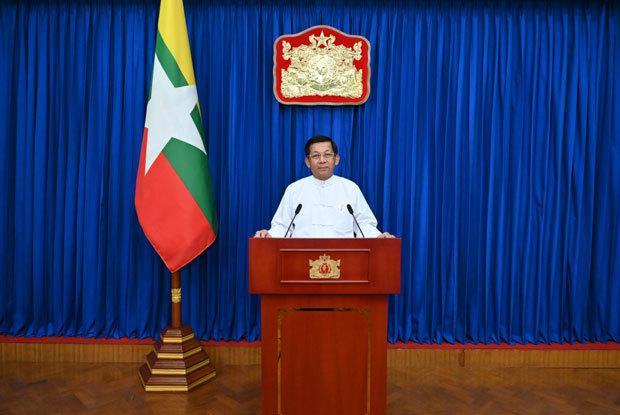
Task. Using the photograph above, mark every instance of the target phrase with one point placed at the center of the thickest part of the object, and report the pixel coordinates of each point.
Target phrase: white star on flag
(168, 115)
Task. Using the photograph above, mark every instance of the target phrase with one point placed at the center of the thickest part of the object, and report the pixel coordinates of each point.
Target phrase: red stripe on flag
(170, 217)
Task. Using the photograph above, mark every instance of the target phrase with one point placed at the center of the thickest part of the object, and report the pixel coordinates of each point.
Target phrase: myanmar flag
(174, 194)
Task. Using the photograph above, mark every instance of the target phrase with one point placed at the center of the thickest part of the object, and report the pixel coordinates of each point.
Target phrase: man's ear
(307, 161)
(337, 159)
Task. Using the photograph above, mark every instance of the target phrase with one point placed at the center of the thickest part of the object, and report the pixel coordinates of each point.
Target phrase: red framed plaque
(321, 66)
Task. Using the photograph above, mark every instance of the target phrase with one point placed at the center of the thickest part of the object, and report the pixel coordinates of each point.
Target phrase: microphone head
(298, 209)
(350, 209)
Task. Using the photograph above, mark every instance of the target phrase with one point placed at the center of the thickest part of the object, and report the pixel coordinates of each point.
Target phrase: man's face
(322, 160)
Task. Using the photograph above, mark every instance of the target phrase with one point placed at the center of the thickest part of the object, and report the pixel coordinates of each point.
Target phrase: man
(323, 198)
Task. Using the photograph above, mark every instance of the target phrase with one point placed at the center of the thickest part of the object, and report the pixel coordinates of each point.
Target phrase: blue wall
(490, 143)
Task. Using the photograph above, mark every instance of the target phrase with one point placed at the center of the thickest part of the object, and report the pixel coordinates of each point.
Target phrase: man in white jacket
(325, 203)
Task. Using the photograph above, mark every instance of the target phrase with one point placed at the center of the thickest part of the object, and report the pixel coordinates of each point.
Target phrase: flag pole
(175, 299)
(178, 362)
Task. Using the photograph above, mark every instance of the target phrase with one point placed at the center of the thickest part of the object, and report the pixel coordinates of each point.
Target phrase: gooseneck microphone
(350, 209)
(297, 210)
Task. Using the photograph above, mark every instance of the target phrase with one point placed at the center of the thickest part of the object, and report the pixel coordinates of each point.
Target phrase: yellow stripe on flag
(173, 30)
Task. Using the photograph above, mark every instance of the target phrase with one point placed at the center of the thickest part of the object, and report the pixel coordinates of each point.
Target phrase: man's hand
(386, 235)
(262, 234)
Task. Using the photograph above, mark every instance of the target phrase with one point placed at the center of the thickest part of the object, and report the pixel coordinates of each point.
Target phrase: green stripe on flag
(195, 114)
(192, 166)
(167, 61)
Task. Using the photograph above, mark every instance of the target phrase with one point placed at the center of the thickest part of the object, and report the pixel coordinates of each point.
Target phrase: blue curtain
(490, 143)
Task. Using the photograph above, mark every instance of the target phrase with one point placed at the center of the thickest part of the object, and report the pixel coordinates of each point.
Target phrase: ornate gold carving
(324, 268)
(176, 295)
(322, 68)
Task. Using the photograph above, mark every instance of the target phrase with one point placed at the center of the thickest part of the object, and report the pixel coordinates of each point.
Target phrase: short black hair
(320, 139)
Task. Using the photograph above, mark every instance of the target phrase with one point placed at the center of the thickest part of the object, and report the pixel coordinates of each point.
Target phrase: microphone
(350, 209)
(297, 210)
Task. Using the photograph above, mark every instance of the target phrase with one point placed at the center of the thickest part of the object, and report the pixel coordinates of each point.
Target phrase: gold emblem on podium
(324, 268)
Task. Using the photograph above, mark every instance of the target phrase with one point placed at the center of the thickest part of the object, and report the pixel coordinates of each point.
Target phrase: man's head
(321, 156)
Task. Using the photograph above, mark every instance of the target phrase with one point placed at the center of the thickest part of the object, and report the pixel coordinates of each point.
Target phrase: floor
(69, 388)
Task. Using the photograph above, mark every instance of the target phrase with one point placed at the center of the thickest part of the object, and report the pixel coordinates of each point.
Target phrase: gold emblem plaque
(324, 268)
(322, 65)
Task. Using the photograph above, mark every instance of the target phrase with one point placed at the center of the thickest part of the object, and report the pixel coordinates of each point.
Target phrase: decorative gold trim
(178, 371)
(163, 388)
(202, 380)
(176, 295)
(324, 268)
(177, 340)
(166, 388)
(164, 355)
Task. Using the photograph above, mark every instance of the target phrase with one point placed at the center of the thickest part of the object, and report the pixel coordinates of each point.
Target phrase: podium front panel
(324, 354)
(324, 266)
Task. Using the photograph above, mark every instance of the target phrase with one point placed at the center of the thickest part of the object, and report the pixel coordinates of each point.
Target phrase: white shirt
(324, 211)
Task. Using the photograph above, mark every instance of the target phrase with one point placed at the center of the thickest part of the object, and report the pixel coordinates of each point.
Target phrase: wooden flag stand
(178, 362)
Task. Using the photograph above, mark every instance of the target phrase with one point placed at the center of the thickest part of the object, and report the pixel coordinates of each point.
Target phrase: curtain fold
(490, 144)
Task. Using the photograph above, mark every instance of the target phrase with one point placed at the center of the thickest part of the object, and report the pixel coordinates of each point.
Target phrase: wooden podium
(324, 322)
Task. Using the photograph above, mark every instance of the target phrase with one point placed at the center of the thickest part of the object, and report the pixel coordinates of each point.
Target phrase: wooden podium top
(324, 266)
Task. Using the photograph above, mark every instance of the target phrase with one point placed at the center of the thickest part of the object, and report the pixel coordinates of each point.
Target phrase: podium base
(178, 363)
